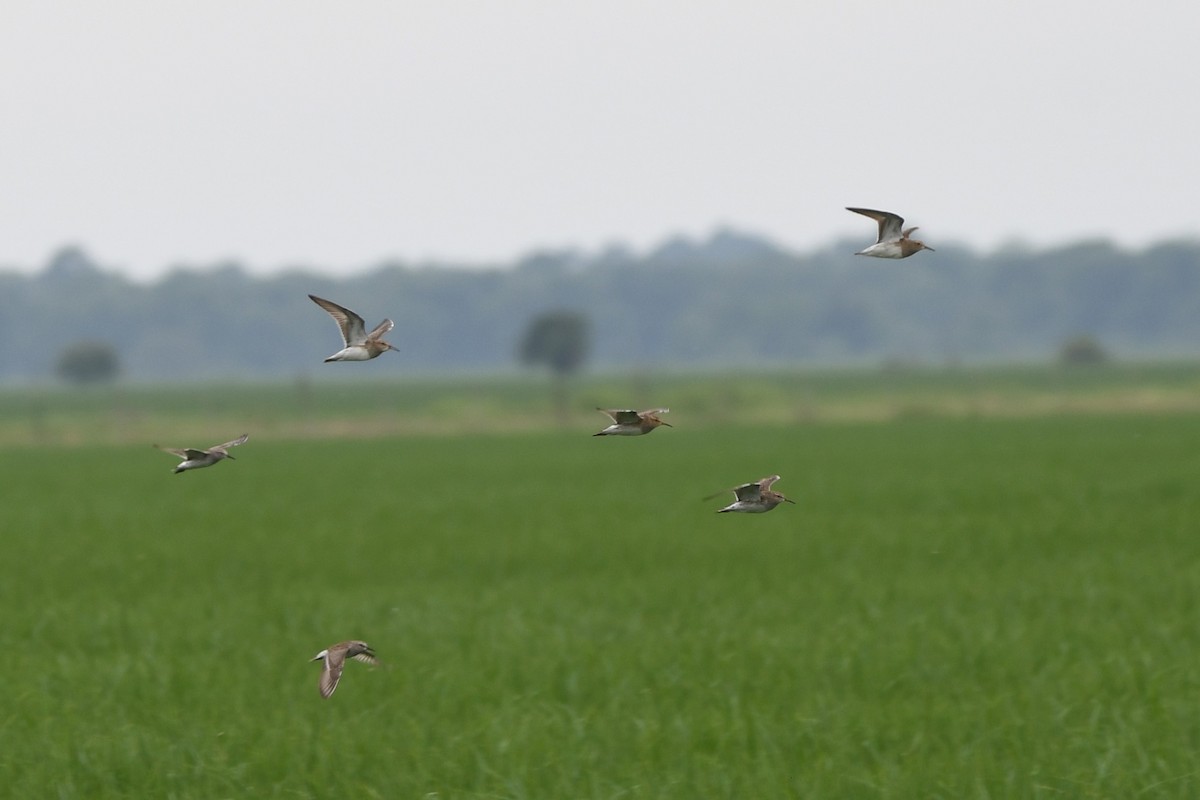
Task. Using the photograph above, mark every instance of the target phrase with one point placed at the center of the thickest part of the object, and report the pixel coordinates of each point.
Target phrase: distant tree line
(732, 299)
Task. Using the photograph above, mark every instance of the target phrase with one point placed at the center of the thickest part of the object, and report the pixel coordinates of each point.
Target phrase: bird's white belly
(351, 354)
(624, 430)
(746, 507)
(882, 250)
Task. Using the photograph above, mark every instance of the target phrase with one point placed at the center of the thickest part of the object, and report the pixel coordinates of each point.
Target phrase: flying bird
(195, 459)
(627, 422)
(335, 657)
(893, 236)
(360, 345)
(754, 498)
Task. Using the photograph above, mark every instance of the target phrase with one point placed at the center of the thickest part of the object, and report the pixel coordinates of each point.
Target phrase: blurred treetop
(732, 299)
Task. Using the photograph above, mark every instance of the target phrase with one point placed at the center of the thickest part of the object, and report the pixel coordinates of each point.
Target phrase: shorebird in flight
(627, 422)
(754, 498)
(893, 236)
(195, 459)
(360, 345)
(335, 657)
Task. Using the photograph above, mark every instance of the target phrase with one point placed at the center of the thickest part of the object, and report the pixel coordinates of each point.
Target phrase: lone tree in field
(88, 362)
(559, 340)
(1082, 350)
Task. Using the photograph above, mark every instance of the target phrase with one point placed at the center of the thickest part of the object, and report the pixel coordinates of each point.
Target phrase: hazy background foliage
(731, 299)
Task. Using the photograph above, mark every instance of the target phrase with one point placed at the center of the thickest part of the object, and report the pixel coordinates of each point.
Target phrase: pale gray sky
(337, 135)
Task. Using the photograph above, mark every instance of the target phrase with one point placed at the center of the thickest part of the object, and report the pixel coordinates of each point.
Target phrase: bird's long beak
(227, 455)
(793, 502)
(669, 425)
(930, 249)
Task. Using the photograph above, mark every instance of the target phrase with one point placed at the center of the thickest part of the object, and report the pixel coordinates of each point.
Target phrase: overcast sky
(337, 135)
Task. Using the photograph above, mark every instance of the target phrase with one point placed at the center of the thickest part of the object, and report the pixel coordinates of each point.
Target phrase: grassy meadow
(962, 604)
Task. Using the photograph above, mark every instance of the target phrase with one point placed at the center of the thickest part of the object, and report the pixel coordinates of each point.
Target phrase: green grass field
(958, 607)
(343, 402)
